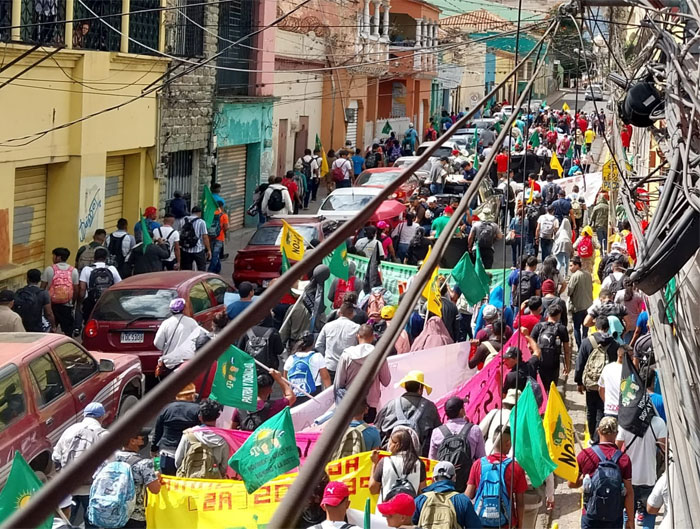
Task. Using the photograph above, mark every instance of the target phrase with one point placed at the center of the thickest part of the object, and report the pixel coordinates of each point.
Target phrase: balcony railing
(95, 34)
(42, 22)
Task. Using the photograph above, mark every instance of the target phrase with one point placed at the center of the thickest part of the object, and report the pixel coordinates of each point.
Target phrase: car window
(377, 179)
(272, 235)
(199, 298)
(12, 402)
(128, 304)
(47, 379)
(404, 163)
(218, 287)
(78, 364)
(439, 152)
(353, 202)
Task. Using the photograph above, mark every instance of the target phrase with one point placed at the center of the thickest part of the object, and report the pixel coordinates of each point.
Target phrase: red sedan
(383, 176)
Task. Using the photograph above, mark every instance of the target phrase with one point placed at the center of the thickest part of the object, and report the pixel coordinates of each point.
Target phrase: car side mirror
(106, 365)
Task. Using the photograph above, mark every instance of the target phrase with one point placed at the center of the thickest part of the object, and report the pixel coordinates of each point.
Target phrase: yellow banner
(559, 432)
(224, 504)
(292, 242)
(431, 292)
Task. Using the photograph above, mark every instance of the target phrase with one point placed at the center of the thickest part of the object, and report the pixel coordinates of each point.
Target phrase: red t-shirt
(513, 471)
(535, 185)
(502, 163)
(588, 461)
(526, 320)
(291, 186)
(582, 124)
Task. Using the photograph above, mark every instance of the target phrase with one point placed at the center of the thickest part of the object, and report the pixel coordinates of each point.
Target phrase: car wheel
(128, 402)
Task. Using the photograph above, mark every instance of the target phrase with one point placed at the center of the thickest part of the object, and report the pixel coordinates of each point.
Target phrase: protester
(521, 372)
(246, 291)
(435, 334)
(266, 406)
(634, 305)
(609, 382)
(599, 221)
(549, 298)
(660, 497)
(306, 369)
(648, 375)
(171, 236)
(360, 436)
(119, 243)
(488, 342)
(398, 510)
(175, 337)
(562, 248)
(217, 237)
(10, 321)
(276, 200)
(498, 418)
(147, 259)
(485, 234)
(335, 502)
(547, 226)
(86, 253)
(552, 338)
(402, 471)
(336, 336)
(580, 291)
(149, 215)
(200, 445)
(341, 169)
(403, 342)
(33, 304)
(62, 281)
(604, 306)
(585, 246)
(418, 248)
(94, 281)
(524, 283)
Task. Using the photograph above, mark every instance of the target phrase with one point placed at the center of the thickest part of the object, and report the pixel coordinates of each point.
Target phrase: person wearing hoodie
(495, 300)
(563, 248)
(435, 334)
(209, 412)
(594, 404)
(585, 247)
(349, 365)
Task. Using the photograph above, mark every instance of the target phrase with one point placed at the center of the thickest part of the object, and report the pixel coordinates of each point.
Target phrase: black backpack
(28, 306)
(549, 344)
(101, 278)
(487, 234)
(306, 168)
(456, 449)
(371, 160)
(115, 250)
(525, 287)
(275, 201)
(259, 348)
(188, 235)
(615, 284)
(604, 501)
(550, 193)
(250, 420)
(215, 228)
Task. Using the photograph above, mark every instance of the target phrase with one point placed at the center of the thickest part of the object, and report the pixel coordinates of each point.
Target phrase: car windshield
(272, 235)
(405, 163)
(377, 179)
(353, 202)
(439, 152)
(127, 304)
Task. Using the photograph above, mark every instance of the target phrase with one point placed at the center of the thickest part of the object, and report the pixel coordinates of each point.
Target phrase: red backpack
(585, 247)
(340, 289)
(61, 287)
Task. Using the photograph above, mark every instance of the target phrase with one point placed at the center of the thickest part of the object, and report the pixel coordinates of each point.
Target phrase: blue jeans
(215, 263)
(402, 251)
(602, 239)
(546, 247)
(644, 519)
(515, 251)
(580, 331)
(530, 246)
(436, 189)
(563, 260)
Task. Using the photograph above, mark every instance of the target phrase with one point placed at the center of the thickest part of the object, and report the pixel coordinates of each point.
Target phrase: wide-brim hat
(415, 376)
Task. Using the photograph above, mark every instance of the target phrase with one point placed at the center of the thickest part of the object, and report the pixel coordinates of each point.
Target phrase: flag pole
(269, 370)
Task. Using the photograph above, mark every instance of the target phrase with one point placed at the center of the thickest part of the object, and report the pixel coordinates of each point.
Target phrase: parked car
(128, 314)
(422, 173)
(381, 177)
(260, 261)
(45, 382)
(445, 149)
(345, 203)
(464, 138)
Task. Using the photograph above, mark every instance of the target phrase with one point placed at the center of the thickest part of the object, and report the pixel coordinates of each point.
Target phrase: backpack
(353, 442)
(594, 365)
(371, 160)
(402, 420)
(532, 213)
(259, 347)
(116, 251)
(250, 420)
(61, 287)
(375, 304)
(300, 376)
(188, 235)
(492, 502)
(101, 278)
(198, 461)
(487, 234)
(167, 240)
(215, 228)
(615, 284)
(87, 257)
(578, 210)
(549, 343)
(112, 495)
(547, 227)
(585, 247)
(604, 503)
(456, 449)
(337, 173)
(401, 485)
(438, 511)
(341, 289)
(306, 169)
(550, 193)
(275, 201)
(525, 287)
(28, 306)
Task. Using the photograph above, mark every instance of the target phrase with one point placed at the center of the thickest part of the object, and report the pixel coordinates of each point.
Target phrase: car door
(202, 303)
(82, 371)
(54, 402)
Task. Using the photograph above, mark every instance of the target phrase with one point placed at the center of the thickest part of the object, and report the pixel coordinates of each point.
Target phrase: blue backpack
(112, 495)
(604, 501)
(300, 376)
(492, 501)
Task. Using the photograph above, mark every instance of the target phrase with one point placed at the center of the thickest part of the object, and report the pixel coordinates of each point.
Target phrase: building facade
(78, 148)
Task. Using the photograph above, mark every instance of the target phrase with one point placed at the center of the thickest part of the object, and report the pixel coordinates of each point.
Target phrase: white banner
(588, 186)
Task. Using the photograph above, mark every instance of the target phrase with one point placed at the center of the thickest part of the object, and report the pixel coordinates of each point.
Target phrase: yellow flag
(559, 432)
(324, 164)
(292, 242)
(431, 292)
(565, 107)
(554, 164)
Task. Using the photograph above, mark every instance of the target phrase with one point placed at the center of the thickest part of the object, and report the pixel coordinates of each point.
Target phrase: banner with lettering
(224, 504)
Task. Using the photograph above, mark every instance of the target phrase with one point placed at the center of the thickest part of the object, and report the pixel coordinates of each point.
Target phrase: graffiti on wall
(91, 206)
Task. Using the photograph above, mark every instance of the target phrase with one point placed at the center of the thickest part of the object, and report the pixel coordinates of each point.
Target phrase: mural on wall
(90, 207)
(398, 99)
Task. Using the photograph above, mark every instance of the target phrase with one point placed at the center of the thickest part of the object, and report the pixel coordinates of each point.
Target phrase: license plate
(265, 283)
(132, 337)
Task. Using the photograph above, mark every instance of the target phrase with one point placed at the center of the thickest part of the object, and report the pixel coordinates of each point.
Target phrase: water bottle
(156, 463)
(586, 484)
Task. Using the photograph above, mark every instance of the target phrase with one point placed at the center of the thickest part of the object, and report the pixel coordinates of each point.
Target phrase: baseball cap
(448, 210)
(7, 295)
(387, 312)
(608, 426)
(549, 287)
(94, 409)
(444, 470)
(432, 200)
(150, 210)
(402, 504)
(334, 493)
(490, 312)
(382, 225)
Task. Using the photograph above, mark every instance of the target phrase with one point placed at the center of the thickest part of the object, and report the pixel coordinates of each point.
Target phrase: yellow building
(69, 161)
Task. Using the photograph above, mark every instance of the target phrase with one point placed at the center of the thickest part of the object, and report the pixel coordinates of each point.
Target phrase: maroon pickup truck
(45, 382)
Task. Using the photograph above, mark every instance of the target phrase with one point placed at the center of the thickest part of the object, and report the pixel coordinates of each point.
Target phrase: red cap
(150, 210)
(448, 209)
(402, 504)
(334, 493)
(549, 287)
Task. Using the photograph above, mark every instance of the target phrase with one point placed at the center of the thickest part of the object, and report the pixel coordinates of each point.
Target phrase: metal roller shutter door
(114, 192)
(29, 218)
(230, 173)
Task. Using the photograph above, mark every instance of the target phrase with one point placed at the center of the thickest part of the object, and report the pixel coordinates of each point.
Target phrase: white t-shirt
(659, 496)
(642, 452)
(548, 226)
(315, 164)
(610, 380)
(345, 165)
(48, 274)
(366, 246)
(606, 282)
(87, 271)
(316, 362)
(405, 232)
(171, 235)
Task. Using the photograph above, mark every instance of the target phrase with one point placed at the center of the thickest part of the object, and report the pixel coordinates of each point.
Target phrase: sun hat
(414, 376)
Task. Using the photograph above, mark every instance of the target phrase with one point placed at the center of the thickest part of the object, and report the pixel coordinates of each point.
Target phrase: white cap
(431, 200)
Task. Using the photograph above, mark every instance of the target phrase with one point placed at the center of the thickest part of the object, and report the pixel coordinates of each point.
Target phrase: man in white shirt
(609, 382)
(119, 243)
(176, 337)
(345, 165)
(547, 226)
(91, 291)
(336, 336)
(279, 203)
(659, 497)
(171, 236)
(335, 501)
(311, 167)
(194, 242)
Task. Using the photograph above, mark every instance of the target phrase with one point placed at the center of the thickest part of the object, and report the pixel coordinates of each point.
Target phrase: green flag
(535, 139)
(551, 125)
(236, 380)
(387, 128)
(145, 236)
(209, 206)
(470, 284)
(529, 440)
(339, 262)
(271, 450)
(367, 522)
(21, 485)
(481, 271)
(570, 152)
(285, 261)
(476, 162)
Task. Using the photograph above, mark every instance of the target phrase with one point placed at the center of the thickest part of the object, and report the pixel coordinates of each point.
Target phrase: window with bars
(5, 19)
(144, 26)
(180, 170)
(92, 34)
(41, 21)
(235, 21)
(188, 40)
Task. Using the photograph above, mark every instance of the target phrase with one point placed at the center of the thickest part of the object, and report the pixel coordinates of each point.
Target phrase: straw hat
(415, 376)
